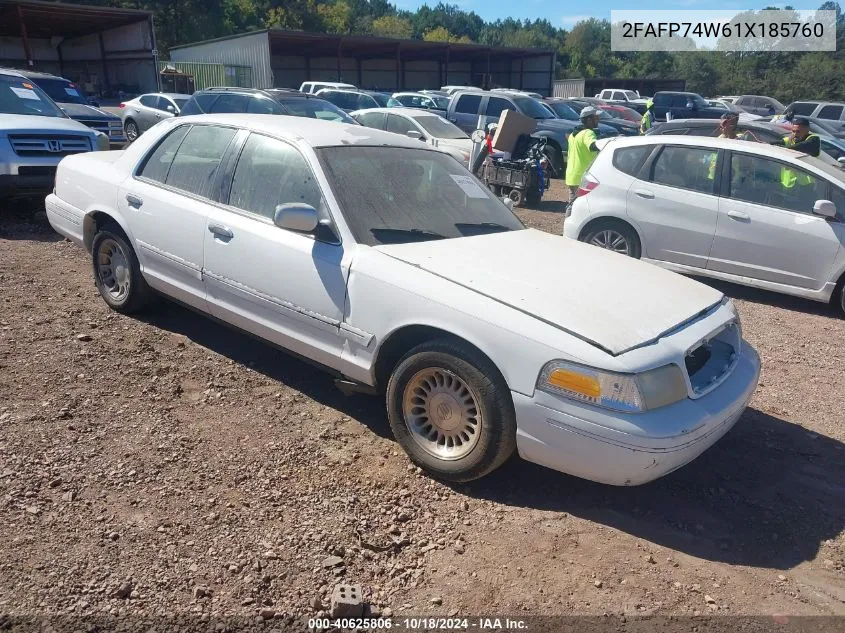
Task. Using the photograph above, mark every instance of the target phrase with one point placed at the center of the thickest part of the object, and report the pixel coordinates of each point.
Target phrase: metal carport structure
(103, 49)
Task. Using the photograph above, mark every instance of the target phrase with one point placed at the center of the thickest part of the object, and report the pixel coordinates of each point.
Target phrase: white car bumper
(65, 218)
(562, 435)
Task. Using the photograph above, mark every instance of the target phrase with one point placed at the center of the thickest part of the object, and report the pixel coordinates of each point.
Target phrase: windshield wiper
(491, 227)
(420, 235)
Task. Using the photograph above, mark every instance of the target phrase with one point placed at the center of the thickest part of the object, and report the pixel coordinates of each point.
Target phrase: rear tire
(117, 273)
(132, 130)
(451, 411)
(838, 299)
(517, 196)
(613, 235)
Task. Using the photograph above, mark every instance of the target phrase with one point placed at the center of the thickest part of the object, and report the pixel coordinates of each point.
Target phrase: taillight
(122, 105)
(588, 183)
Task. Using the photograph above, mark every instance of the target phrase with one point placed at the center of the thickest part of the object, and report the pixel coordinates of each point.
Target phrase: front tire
(117, 273)
(450, 410)
(132, 131)
(615, 236)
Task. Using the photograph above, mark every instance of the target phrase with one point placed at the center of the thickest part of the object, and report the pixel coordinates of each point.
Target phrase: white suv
(740, 211)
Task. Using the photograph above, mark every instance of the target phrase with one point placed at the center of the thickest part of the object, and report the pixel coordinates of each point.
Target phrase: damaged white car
(387, 263)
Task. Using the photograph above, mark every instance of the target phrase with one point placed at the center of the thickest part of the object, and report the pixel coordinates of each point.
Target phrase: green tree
(392, 26)
(335, 16)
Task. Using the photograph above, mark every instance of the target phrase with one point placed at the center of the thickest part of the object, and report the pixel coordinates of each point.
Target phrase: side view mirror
(296, 216)
(478, 136)
(825, 208)
(171, 109)
(414, 134)
(508, 202)
(841, 161)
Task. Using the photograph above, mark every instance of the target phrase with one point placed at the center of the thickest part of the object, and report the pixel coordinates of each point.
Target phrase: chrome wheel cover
(113, 270)
(611, 240)
(442, 414)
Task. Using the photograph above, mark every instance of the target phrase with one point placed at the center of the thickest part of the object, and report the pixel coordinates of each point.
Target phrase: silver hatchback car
(740, 211)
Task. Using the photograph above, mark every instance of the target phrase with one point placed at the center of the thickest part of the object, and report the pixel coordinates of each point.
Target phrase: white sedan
(422, 125)
(386, 262)
(739, 211)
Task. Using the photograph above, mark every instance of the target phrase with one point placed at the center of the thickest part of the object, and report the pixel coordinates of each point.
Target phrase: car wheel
(117, 273)
(516, 196)
(450, 410)
(132, 131)
(839, 297)
(614, 236)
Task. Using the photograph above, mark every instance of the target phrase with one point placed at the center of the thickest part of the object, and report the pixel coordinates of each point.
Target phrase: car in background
(570, 109)
(255, 101)
(738, 211)
(450, 90)
(143, 112)
(628, 98)
(423, 125)
(761, 130)
(349, 100)
(621, 112)
(35, 135)
(533, 95)
(830, 112)
(683, 105)
(440, 93)
(757, 104)
(729, 99)
(312, 87)
(467, 107)
(389, 264)
(73, 101)
(426, 101)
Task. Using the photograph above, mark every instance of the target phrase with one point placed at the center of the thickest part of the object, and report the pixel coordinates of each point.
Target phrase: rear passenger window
(230, 103)
(158, 164)
(269, 173)
(468, 104)
(398, 124)
(831, 112)
(263, 105)
(685, 168)
(804, 108)
(198, 157)
(628, 159)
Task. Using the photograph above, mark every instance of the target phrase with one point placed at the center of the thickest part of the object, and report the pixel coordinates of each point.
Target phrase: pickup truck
(467, 106)
(617, 96)
(684, 105)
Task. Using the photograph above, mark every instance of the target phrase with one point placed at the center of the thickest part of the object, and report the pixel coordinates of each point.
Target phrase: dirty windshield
(392, 195)
(21, 96)
(62, 91)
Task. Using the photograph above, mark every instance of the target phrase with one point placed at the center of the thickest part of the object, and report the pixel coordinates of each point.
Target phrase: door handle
(644, 193)
(134, 201)
(221, 231)
(738, 215)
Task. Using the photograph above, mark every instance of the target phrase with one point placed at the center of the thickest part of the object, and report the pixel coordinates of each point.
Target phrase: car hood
(31, 123)
(464, 144)
(80, 111)
(609, 300)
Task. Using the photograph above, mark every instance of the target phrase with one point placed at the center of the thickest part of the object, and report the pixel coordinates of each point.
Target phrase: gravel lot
(166, 465)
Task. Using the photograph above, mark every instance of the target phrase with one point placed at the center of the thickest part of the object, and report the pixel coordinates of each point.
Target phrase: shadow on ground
(25, 219)
(767, 297)
(767, 494)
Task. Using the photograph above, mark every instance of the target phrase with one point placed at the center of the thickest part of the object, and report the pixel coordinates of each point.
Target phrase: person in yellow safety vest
(727, 129)
(581, 150)
(648, 117)
(801, 140)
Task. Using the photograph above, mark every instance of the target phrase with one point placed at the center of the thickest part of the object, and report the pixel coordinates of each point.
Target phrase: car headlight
(102, 142)
(629, 393)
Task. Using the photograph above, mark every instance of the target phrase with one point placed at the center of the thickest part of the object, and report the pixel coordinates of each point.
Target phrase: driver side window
(771, 183)
(269, 173)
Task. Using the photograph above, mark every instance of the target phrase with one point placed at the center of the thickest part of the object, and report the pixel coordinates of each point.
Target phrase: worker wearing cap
(648, 117)
(581, 150)
(801, 140)
(727, 129)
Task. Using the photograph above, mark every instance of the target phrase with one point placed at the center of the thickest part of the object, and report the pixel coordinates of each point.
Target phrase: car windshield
(394, 195)
(531, 107)
(563, 111)
(317, 109)
(381, 98)
(62, 91)
(20, 96)
(439, 127)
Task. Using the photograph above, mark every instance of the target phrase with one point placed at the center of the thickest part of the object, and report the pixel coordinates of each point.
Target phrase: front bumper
(65, 219)
(37, 184)
(636, 448)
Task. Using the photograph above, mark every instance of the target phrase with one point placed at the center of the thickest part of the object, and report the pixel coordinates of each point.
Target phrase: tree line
(582, 51)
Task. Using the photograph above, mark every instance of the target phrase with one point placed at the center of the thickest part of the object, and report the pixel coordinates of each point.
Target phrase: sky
(567, 14)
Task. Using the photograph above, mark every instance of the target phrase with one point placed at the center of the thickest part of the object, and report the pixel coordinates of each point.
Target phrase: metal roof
(368, 46)
(49, 19)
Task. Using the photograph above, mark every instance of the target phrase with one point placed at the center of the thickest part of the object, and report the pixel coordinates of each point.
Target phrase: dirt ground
(166, 465)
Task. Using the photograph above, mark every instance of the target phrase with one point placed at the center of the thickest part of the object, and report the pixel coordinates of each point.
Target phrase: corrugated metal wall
(569, 88)
(251, 50)
(210, 75)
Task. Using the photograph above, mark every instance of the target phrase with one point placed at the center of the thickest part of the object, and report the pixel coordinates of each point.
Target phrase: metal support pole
(398, 67)
(155, 53)
(339, 53)
(106, 79)
(521, 71)
(26, 47)
(446, 72)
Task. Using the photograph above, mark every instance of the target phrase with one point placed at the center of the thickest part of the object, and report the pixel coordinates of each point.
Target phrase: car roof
(415, 113)
(313, 132)
(11, 72)
(36, 73)
(750, 147)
